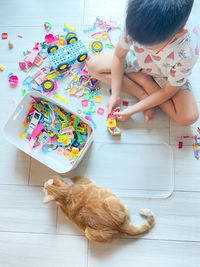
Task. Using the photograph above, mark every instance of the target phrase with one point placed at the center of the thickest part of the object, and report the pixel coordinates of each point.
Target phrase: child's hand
(123, 115)
(113, 102)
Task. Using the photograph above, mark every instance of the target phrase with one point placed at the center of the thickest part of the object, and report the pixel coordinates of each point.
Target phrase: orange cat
(97, 211)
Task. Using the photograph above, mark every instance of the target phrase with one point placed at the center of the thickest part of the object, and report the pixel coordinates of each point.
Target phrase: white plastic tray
(14, 127)
(130, 170)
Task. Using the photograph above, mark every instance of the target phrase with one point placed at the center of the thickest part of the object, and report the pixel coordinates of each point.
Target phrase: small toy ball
(10, 44)
(13, 80)
(1, 67)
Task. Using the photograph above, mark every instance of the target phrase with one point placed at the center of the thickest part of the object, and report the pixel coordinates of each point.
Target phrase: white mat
(130, 170)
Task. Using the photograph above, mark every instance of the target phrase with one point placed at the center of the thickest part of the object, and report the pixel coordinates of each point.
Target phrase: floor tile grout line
(29, 173)
(88, 242)
(178, 191)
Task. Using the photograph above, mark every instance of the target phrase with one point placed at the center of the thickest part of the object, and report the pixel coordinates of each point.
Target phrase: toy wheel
(52, 48)
(82, 57)
(63, 67)
(70, 34)
(97, 46)
(47, 86)
(71, 38)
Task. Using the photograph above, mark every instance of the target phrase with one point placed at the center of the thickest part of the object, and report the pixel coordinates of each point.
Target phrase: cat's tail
(130, 229)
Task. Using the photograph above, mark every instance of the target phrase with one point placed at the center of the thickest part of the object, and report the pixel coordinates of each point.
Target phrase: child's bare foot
(148, 114)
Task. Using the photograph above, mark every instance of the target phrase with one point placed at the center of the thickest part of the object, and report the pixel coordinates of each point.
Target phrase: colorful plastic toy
(64, 57)
(100, 111)
(1, 67)
(29, 59)
(48, 85)
(56, 95)
(47, 26)
(48, 127)
(38, 61)
(34, 121)
(68, 28)
(13, 80)
(22, 65)
(111, 123)
(125, 103)
(97, 46)
(4, 35)
(51, 39)
(39, 77)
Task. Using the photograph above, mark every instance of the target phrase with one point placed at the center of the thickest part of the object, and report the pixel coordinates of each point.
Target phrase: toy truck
(62, 58)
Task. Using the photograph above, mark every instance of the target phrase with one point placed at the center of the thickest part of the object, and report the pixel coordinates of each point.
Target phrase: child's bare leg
(100, 68)
(182, 107)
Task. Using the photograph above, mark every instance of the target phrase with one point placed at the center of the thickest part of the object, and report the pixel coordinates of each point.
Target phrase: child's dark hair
(151, 22)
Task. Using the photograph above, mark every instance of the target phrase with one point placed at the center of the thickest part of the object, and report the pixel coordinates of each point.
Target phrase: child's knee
(188, 118)
(92, 66)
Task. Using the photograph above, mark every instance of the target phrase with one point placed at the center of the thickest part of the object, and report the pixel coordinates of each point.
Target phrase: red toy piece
(4, 35)
(125, 103)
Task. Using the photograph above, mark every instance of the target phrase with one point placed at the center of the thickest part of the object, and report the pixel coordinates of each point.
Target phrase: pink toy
(111, 114)
(13, 80)
(87, 118)
(31, 143)
(84, 103)
(22, 65)
(36, 131)
(51, 39)
(180, 144)
(100, 111)
(36, 47)
(29, 59)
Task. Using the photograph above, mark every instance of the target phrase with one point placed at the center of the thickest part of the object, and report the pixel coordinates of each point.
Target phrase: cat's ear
(47, 199)
(56, 180)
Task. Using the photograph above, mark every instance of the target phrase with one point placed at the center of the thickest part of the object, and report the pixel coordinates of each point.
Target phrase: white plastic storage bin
(13, 129)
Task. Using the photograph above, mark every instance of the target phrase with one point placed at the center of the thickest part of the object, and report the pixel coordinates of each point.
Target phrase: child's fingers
(121, 118)
(118, 113)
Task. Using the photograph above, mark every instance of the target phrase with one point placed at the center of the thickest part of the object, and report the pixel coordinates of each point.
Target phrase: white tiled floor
(33, 234)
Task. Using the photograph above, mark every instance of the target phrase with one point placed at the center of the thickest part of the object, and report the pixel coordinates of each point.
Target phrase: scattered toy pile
(83, 86)
(48, 127)
(96, 45)
(62, 51)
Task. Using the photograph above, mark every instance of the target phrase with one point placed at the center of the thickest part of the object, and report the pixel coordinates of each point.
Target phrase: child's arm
(153, 100)
(117, 72)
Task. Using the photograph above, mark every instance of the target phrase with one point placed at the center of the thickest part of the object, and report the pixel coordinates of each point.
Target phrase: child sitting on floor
(156, 71)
